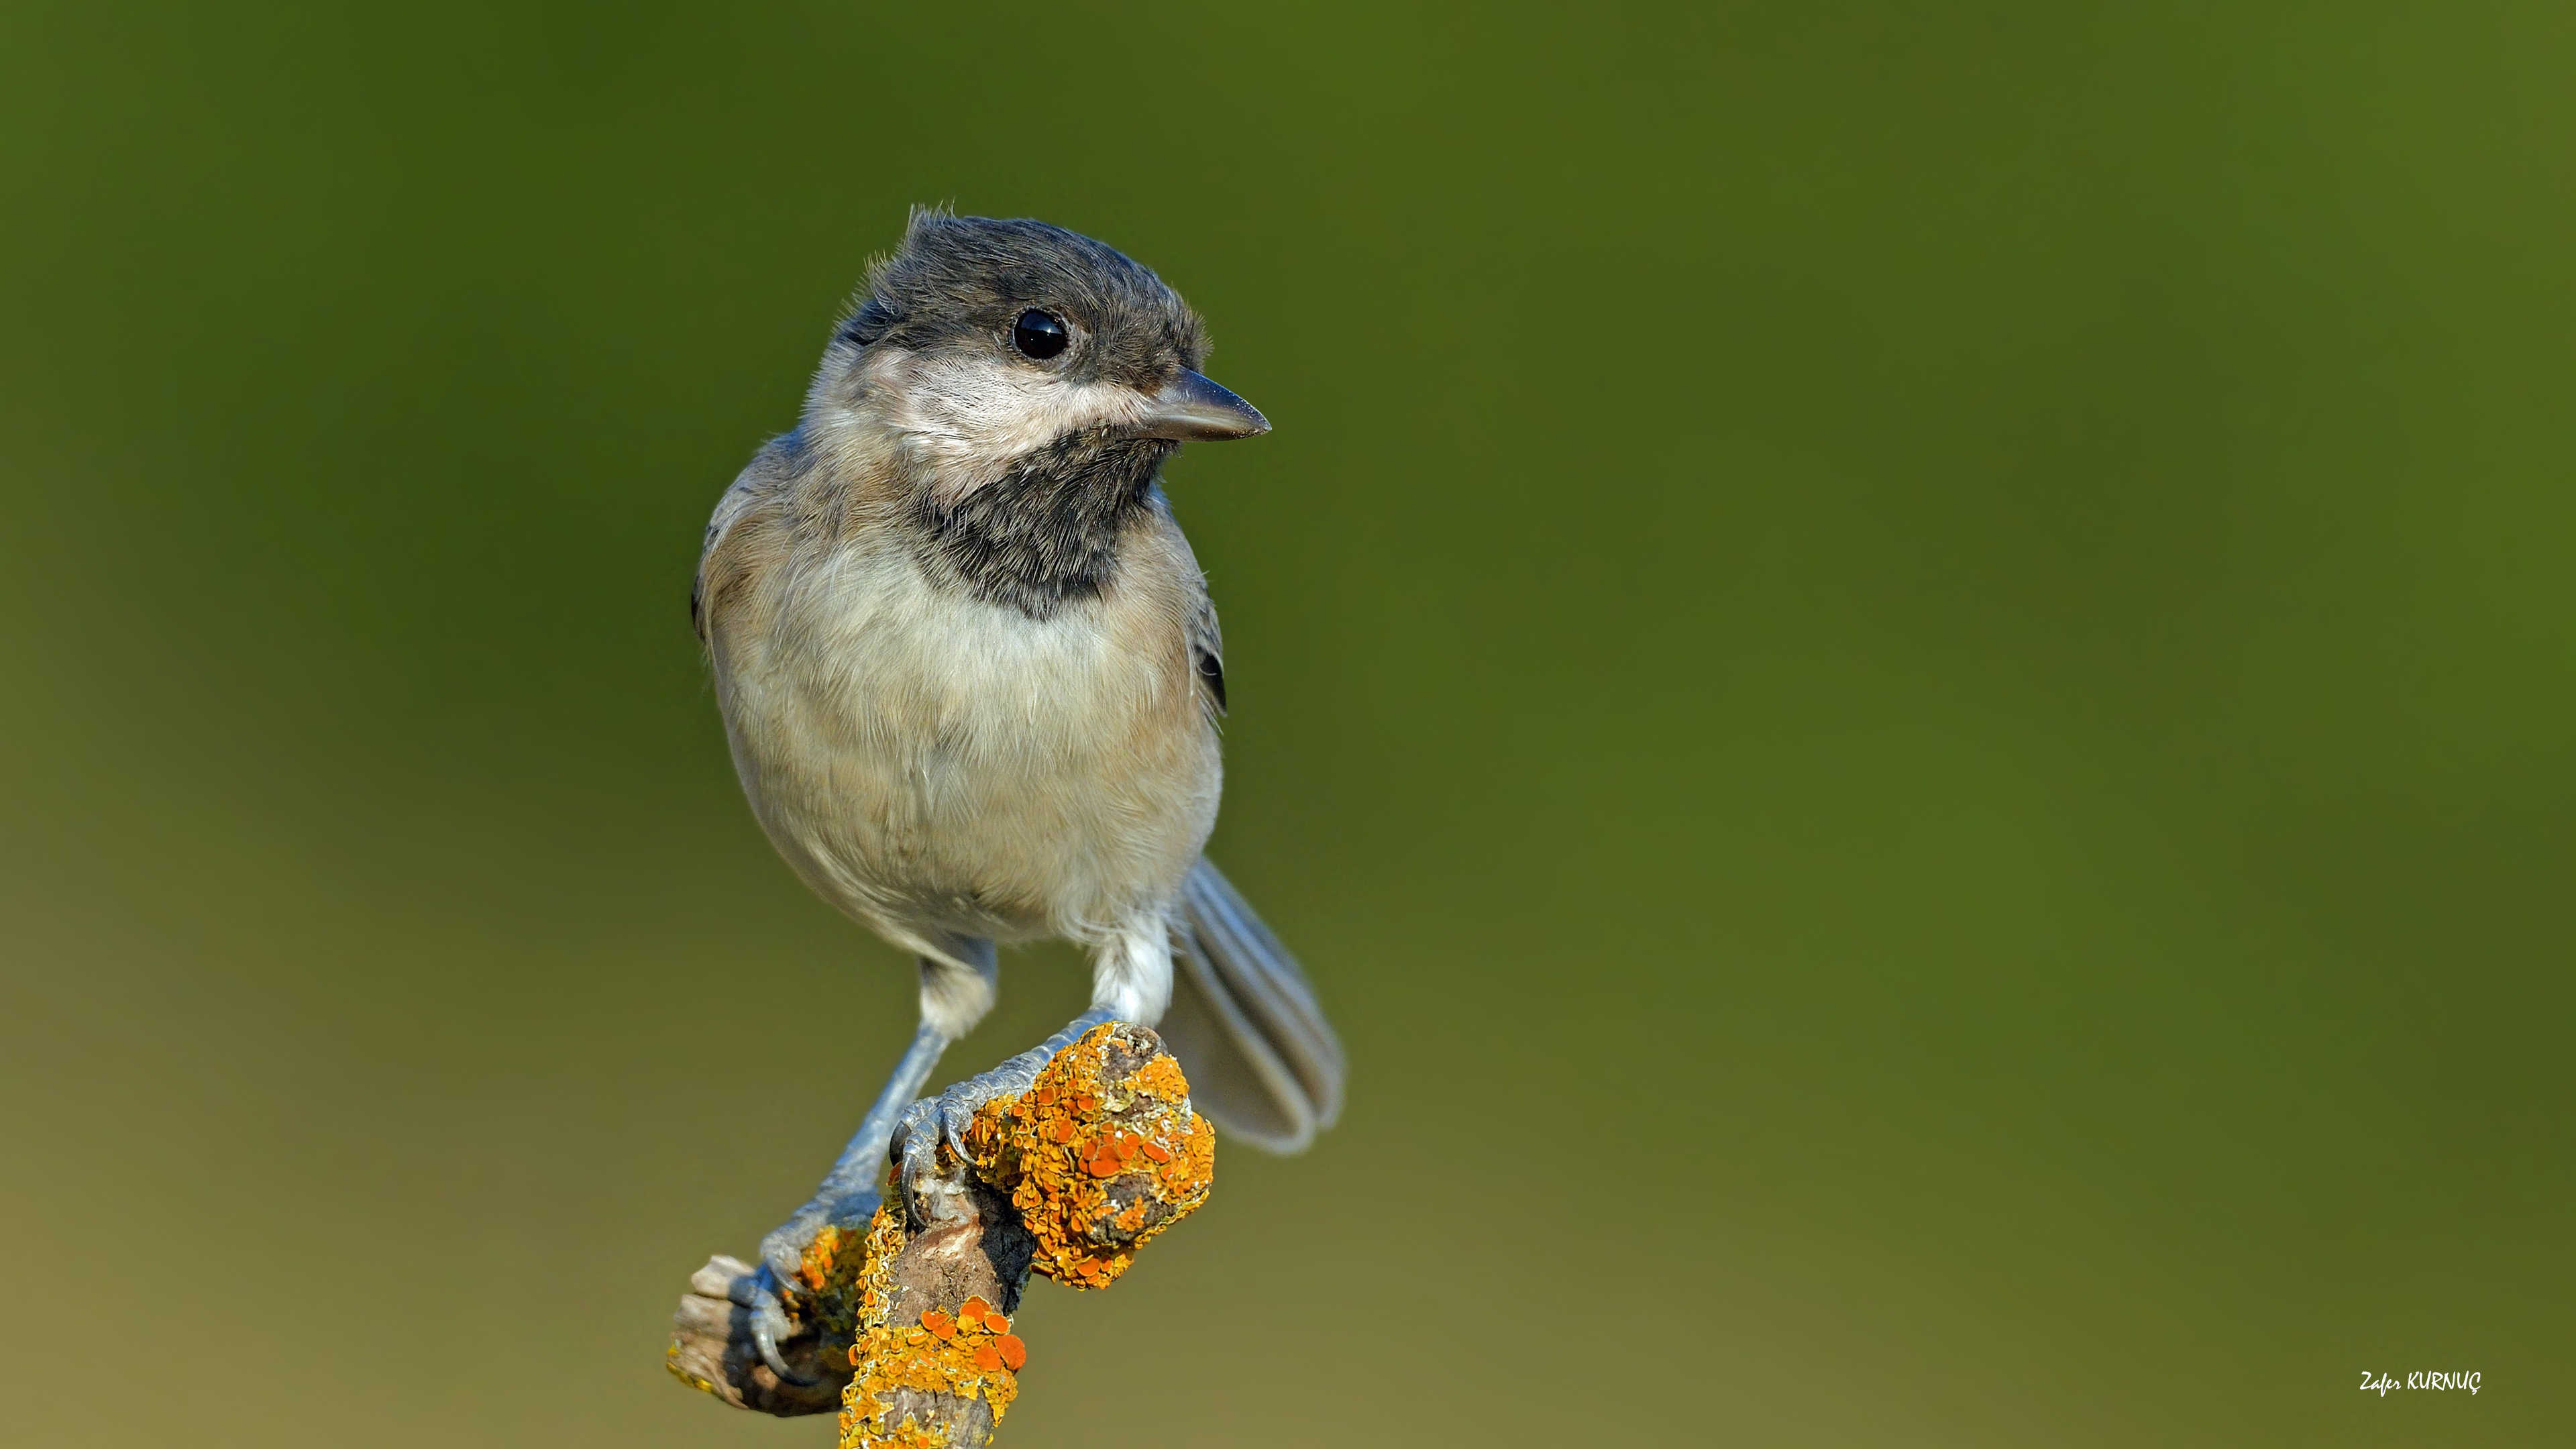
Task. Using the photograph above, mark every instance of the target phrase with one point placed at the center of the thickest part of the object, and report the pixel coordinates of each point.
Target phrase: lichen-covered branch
(903, 1322)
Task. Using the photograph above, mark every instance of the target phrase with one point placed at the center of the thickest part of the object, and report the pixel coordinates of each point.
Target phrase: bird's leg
(848, 1195)
(954, 992)
(945, 1118)
(1131, 980)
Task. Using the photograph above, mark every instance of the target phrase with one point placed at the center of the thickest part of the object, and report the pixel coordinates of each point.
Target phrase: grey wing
(1261, 1059)
(1207, 655)
(737, 544)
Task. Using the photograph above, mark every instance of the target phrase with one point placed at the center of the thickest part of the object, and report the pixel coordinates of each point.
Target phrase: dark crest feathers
(960, 280)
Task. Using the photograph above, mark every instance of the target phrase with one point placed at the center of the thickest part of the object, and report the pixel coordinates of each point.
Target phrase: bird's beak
(1194, 409)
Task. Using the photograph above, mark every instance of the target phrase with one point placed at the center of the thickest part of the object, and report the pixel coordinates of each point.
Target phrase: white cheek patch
(974, 417)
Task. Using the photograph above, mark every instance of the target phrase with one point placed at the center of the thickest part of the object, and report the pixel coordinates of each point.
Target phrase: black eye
(1038, 334)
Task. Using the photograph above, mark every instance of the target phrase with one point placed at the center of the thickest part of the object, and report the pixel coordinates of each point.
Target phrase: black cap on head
(967, 281)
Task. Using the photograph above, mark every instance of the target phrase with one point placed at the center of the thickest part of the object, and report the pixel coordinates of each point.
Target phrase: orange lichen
(1102, 1154)
(830, 1274)
(969, 1354)
(1096, 1167)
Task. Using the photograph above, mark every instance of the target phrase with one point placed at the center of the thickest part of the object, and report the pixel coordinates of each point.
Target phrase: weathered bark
(711, 1349)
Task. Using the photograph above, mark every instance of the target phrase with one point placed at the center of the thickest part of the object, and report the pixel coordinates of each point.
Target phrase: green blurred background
(1906, 677)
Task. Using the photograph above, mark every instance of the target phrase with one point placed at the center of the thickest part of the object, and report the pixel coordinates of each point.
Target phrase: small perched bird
(972, 679)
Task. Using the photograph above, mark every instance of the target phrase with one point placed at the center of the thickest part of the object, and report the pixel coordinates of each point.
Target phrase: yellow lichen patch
(671, 1359)
(1096, 1167)
(907, 1435)
(970, 1354)
(831, 1273)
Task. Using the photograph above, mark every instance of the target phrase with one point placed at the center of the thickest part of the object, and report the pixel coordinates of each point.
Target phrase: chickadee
(972, 680)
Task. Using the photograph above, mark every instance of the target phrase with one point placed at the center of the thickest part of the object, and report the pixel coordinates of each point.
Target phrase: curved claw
(954, 1118)
(769, 1325)
(916, 1147)
(952, 1114)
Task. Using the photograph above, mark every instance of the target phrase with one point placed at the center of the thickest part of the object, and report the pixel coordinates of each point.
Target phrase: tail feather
(1261, 1059)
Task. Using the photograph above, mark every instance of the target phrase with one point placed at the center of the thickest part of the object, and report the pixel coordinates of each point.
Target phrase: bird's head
(987, 351)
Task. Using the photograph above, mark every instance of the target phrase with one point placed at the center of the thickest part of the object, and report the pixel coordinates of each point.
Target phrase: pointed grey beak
(1194, 409)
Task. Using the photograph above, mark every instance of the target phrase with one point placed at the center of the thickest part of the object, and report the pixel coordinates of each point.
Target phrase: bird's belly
(935, 765)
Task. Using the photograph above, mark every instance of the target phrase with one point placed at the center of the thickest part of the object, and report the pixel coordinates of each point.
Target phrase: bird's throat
(1046, 534)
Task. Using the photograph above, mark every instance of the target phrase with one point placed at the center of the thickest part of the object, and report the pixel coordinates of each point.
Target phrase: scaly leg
(953, 995)
(1131, 980)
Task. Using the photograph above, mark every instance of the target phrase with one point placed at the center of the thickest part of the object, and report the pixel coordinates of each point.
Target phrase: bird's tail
(1261, 1060)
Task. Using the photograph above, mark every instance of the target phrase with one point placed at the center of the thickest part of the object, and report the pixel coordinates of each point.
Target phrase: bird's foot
(772, 1291)
(711, 1348)
(933, 1188)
